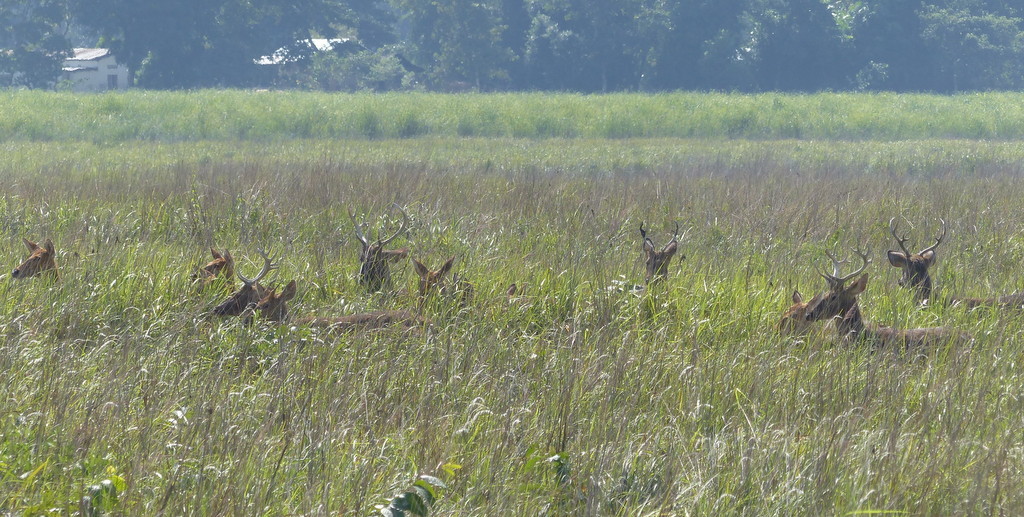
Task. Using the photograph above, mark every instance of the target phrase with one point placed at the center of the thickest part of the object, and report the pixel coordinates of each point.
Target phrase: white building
(94, 70)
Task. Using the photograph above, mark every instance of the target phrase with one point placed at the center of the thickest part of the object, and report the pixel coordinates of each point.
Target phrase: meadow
(123, 395)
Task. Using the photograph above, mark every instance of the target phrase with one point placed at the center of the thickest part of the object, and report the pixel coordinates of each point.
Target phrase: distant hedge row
(269, 116)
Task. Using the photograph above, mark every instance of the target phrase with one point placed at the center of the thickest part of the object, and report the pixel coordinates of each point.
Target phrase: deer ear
(859, 286)
(288, 292)
(228, 258)
(446, 267)
(929, 257)
(32, 247)
(896, 258)
(648, 246)
(797, 298)
(48, 245)
(396, 255)
(215, 254)
(670, 248)
(421, 270)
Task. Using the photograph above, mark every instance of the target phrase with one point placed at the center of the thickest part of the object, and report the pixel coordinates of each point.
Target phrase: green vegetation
(123, 395)
(276, 116)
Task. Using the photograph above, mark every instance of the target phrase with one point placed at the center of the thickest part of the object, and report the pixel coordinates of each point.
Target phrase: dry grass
(572, 399)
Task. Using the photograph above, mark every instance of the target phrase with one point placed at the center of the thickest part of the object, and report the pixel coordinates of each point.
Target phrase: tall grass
(573, 399)
(276, 116)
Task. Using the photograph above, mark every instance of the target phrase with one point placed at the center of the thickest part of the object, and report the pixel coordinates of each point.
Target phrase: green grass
(571, 400)
(276, 116)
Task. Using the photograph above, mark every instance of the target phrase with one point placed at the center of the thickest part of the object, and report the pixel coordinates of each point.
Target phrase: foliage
(210, 43)
(363, 70)
(240, 115)
(32, 42)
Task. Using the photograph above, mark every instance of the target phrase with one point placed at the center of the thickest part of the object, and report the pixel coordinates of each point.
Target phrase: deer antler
(938, 240)
(401, 227)
(899, 240)
(268, 264)
(675, 236)
(836, 280)
(358, 228)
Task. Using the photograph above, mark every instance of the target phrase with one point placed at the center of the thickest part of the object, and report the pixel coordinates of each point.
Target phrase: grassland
(574, 399)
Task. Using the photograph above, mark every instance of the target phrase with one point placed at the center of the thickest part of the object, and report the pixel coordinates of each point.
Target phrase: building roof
(294, 52)
(89, 54)
(71, 69)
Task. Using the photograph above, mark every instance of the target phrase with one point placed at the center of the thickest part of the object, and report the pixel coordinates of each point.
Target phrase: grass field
(573, 399)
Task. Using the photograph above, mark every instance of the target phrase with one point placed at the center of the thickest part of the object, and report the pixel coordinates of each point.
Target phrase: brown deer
(794, 321)
(374, 272)
(657, 261)
(250, 293)
(223, 264)
(274, 307)
(916, 276)
(840, 303)
(435, 281)
(39, 262)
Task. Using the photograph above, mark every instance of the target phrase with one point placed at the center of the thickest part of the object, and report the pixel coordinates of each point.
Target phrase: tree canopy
(566, 45)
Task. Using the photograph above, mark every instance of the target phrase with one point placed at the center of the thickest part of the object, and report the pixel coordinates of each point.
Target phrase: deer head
(657, 261)
(838, 299)
(435, 281)
(273, 306)
(794, 320)
(250, 293)
(432, 279)
(914, 265)
(40, 261)
(222, 264)
(374, 272)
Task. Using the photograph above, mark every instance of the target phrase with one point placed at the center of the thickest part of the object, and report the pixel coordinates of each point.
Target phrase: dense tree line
(566, 45)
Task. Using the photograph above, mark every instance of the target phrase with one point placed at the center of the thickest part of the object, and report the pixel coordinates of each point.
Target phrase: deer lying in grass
(916, 276)
(374, 272)
(41, 261)
(274, 307)
(436, 281)
(656, 261)
(794, 320)
(222, 265)
(840, 303)
(250, 293)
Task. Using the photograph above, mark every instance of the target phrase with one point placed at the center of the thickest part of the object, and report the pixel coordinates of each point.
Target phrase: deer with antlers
(656, 261)
(250, 293)
(374, 272)
(274, 307)
(41, 261)
(916, 276)
(223, 265)
(436, 281)
(840, 303)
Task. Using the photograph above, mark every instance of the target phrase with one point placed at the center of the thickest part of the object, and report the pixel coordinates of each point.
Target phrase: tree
(798, 47)
(195, 43)
(33, 42)
(980, 50)
(458, 41)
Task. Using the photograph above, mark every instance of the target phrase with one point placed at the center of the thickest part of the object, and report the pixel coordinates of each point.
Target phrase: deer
(251, 291)
(223, 264)
(435, 281)
(794, 321)
(840, 304)
(916, 276)
(656, 261)
(374, 272)
(274, 307)
(40, 261)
